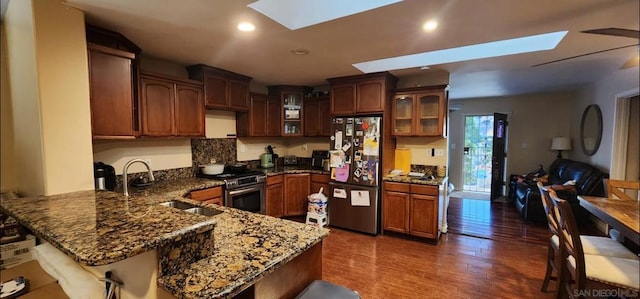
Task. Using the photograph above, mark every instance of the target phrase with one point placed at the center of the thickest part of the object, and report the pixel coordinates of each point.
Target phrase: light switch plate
(439, 152)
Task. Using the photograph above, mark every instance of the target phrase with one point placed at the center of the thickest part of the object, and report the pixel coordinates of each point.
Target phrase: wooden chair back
(549, 209)
(572, 246)
(616, 188)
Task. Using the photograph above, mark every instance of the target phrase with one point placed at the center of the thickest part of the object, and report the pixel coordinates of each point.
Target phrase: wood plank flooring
(505, 260)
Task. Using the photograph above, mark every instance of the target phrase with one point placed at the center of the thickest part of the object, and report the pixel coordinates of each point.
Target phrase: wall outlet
(439, 152)
(304, 147)
(243, 148)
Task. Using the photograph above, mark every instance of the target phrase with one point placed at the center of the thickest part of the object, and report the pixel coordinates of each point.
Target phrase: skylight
(518, 45)
(296, 14)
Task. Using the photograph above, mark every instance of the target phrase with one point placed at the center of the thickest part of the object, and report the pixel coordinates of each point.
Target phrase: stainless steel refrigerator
(355, 159)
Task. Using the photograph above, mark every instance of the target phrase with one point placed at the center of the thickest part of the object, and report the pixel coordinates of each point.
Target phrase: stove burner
(237, 180)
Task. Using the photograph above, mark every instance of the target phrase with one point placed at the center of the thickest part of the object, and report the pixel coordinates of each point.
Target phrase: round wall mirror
(591, 130)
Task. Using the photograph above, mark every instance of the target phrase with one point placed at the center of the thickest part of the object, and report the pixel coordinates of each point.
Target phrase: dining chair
(591, 244)
(584, 274)
(617, 188)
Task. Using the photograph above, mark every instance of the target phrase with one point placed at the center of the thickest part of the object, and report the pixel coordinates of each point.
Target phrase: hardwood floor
(505, 259)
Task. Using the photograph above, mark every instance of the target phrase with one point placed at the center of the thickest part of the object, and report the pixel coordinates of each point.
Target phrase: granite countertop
(437, 181)
(292, 169)
(94, 228)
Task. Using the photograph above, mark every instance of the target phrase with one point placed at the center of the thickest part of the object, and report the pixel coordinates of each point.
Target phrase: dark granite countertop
(437, 181)
(292, 169)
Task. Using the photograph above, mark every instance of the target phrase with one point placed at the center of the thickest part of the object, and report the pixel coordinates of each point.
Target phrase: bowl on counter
(212, 168)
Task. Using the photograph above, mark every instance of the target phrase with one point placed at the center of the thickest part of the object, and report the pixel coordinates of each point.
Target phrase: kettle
(266, 160)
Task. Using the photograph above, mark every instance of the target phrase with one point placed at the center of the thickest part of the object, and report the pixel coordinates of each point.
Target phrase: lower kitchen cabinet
(320, 181)
(210, 195)
(274, 199)
(296, 190)
(411, 209)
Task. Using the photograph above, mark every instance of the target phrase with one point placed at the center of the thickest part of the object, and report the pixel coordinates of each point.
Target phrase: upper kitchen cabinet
(317, 116)
(113, 82)
(222, 89)
(262, 119)
(420, 111)
(292, 107)
(171, 106)
(361, 94)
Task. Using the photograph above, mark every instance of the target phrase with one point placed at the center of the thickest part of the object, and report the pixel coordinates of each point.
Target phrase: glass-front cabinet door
(292, 116)
(429, 114)
(403, 114)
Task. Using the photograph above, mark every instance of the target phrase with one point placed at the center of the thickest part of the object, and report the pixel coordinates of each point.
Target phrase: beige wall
(8, 180)
(49, 87)
(604, 93)
(421, 149)
(24, 90)
(533, 121)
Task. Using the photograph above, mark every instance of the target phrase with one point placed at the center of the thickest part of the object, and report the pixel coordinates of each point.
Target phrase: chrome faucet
(126, 169)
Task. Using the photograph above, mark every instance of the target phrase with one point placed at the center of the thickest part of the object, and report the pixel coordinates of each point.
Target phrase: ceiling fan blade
(633, 62)
(586, 54)
(615, 32)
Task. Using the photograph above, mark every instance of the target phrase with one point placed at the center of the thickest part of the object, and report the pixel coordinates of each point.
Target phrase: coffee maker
(104, 176)
(266, 160)
(316, 158)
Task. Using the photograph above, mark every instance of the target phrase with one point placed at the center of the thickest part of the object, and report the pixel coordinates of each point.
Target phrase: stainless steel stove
(244, 190)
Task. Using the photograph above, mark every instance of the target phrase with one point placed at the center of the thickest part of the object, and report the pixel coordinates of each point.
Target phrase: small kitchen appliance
(104, 176)
(266, 160)
(290, 160)
(316, 158)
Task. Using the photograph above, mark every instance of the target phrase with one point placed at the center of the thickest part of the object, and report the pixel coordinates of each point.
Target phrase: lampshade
(561, 143)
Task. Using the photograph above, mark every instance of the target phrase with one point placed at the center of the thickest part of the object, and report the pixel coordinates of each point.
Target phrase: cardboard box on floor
(41, 285)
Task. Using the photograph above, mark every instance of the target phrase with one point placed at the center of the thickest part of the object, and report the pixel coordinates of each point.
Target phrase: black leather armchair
(588, 181)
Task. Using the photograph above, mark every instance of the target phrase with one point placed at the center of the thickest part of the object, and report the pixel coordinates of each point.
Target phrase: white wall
(533, 121)
(603, 93)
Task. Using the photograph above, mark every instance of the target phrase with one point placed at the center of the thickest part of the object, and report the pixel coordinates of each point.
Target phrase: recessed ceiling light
(246, 26)
(519, 45)
(424, 68)
(430, 25)
(300, 52)
(296, 14)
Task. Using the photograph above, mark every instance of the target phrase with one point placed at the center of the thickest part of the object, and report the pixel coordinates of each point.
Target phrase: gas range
(238, 180)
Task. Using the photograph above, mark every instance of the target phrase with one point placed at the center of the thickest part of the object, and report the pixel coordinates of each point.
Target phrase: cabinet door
(296, 188)
(274, 116)
(215, 91)
(158, 97)
(238, 95)
(206, 194)
(403, 114)
(395, 212)
(292, 118)
(111, 95)
(324, 117)
(258, 115)
(189, 109)
(311, 119)
(343, 99)
(429, 114)
(320, 181)
(274, 200)
(370, 96)
(423, 218)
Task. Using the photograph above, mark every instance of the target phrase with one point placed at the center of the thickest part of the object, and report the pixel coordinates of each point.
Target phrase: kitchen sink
(190, 208)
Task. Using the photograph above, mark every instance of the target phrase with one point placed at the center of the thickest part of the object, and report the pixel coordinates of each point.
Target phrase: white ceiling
(204, 31)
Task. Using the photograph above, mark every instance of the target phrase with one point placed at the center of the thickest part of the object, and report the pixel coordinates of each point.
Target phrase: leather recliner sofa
(588, 181)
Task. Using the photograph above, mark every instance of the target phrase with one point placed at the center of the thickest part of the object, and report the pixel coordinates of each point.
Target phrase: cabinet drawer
(397, 187)
(319, 178)
(206, 193)
(275, 179)
(424, 190)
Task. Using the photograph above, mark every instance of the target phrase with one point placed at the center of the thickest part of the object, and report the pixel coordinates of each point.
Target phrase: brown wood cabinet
(420, 111)
(361, 94)
(114, 106)
(296, 190)
(210, 195)
(222, 89)
(291, 107)
(411, 209)
(317, 117)
(171, 106)
(274, 199)
(320, 181)
(262, 119)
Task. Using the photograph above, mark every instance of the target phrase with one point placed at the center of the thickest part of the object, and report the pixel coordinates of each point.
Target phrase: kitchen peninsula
(222, 256)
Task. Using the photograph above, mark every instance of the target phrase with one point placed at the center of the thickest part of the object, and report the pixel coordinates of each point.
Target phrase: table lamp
(560, 144)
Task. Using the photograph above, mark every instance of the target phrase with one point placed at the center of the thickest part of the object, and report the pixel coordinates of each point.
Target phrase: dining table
(620, 214)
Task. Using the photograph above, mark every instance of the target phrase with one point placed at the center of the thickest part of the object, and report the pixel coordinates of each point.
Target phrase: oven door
(248, 198)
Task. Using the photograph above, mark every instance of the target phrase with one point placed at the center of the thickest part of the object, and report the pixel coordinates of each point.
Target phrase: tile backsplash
(223, 150)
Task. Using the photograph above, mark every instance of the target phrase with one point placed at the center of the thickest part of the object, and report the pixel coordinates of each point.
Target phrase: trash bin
(320, 289)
